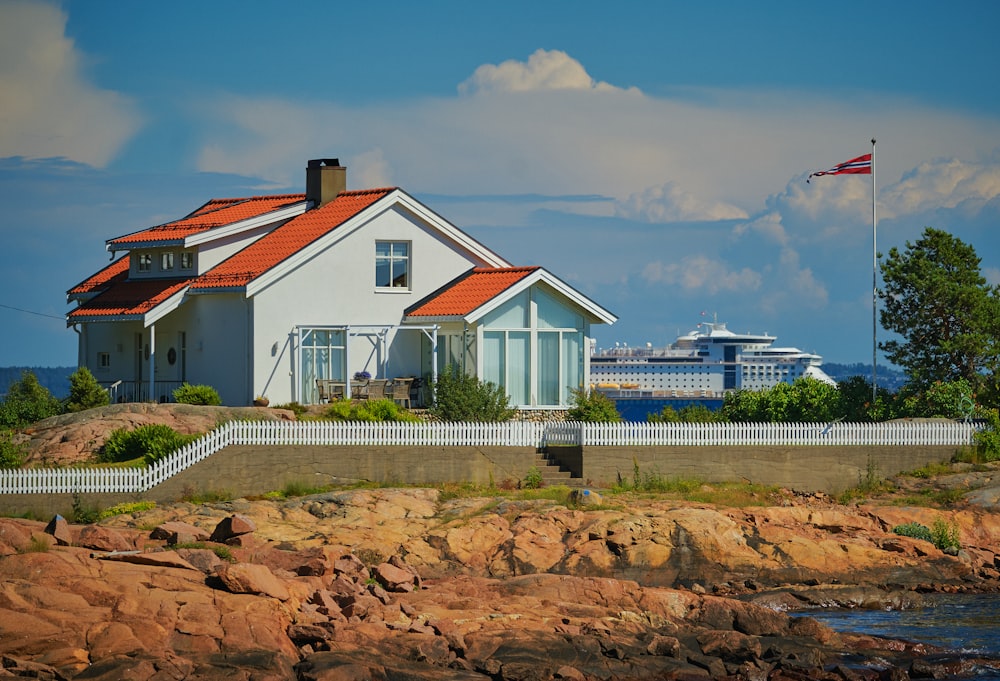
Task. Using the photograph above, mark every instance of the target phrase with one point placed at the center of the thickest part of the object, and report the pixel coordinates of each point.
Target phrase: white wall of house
(336, 286)
(212, 253)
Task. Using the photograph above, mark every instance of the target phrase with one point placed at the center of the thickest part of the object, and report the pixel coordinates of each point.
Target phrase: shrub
(295, 407)
(11, 453)
(945, 536)
(914, 530)
(125, 508)
(27, 401)
(197, 394)
(461, 397)
(370, 410)
(533, 479)
(594, 407)
(988, 439)
(151, 441)
(85, 392)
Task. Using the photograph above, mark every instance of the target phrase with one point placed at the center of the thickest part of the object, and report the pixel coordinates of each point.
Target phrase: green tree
(85, 392)
(947, 316)
(855, 401)
(27, 401)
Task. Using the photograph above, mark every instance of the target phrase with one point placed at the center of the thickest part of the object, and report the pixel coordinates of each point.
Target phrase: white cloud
(941, 183)
(48, 108)
(544, 70)
(669, 203)
(992, 275)
(699, 272)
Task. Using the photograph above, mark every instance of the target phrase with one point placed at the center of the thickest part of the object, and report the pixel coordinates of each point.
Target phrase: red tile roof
(215, 213)
(115, 272)
(288, 239)
(476, 287)
(135, 297)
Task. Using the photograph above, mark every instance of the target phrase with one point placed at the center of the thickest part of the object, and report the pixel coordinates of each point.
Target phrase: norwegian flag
(862, 165)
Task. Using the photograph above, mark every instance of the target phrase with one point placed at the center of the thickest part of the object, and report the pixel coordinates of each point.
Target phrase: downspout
(248, 371)
(80, 352)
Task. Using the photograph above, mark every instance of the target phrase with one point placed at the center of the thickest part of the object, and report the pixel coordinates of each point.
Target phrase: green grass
(220, 550)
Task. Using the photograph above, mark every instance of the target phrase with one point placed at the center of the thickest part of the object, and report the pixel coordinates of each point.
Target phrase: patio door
(323, 356)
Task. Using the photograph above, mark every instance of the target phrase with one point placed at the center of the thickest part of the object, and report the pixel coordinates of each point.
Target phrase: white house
(264, 295)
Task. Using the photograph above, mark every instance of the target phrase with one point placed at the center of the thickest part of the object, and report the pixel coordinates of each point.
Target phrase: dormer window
(187, 260)
(145, 263)
(392, 264)
(166, 261)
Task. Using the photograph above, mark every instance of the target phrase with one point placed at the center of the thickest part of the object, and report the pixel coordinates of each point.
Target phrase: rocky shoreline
(409, 584)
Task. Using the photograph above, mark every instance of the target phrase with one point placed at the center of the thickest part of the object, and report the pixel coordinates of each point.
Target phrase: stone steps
(553, 474)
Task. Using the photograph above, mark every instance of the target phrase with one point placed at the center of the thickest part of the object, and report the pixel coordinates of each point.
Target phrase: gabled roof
(215, 213)
(115, 272)
(472, 290)
(482, 289)
(127, 299)
(286, 240)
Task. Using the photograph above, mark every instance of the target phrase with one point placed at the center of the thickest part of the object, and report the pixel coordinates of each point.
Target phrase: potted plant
(261, 401)
(362, 376)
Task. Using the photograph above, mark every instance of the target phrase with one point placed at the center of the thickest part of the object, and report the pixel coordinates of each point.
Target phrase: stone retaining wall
(253, 470)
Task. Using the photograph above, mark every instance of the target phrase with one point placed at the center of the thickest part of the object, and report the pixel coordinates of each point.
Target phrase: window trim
(144, 262)
(408, 259)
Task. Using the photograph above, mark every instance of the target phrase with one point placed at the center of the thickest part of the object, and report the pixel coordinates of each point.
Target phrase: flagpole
(874, 285)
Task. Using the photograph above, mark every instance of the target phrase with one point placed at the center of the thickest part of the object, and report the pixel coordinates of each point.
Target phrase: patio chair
(322, 394)
(376, 388)
(401, 391)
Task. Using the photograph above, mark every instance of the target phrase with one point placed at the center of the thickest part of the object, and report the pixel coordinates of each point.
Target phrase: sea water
(965, 623)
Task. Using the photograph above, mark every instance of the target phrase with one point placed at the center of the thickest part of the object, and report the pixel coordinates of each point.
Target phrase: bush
(126, 507)
(85, 392)
(533, 479)
(11, 453)
(461, 397)
(197, 394)
(945, 536)
(370, 410)
(151, 441)
(27, 401)
(594, 407)
(988, 439)
(914, 530)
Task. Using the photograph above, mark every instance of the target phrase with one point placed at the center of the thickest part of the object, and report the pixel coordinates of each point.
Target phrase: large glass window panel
(494, 364)
(548, 368)
(572, 364)
(554, 315)
(324, 356)
(511, 315)
(518, 367)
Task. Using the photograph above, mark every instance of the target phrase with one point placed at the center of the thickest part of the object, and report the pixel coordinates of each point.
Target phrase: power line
(40, 314)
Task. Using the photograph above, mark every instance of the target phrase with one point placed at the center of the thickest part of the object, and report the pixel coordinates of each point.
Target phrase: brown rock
(103, 539)
(393, 578)
(247, 578)
(59, 528)
(174, 532)
(234, 526)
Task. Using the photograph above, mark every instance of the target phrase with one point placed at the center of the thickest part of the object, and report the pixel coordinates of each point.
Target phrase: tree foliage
(27, 401)
(85, 392)
(947, 316)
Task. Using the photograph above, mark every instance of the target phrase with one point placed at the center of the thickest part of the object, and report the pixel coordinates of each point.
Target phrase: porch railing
(138, 391)
(529, 434)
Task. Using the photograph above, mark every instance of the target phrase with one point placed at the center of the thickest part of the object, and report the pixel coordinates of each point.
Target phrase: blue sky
(653, 155)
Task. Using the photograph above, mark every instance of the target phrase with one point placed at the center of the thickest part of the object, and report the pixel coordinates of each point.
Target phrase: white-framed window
(323, 355)
(187, 260)
(144, 262)
(392, 264)
(166, 261)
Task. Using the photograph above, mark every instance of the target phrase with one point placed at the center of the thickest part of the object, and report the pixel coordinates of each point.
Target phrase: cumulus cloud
(670, 203)
(709, 275)
(544, 70)
(941, 183)
(48, 108)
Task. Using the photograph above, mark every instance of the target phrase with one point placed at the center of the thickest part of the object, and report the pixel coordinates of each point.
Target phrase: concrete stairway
(553, 473)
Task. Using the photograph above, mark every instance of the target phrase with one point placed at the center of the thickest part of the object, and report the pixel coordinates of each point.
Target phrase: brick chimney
(325, 178)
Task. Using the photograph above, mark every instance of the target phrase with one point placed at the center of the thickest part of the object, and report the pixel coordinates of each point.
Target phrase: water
(967, 623)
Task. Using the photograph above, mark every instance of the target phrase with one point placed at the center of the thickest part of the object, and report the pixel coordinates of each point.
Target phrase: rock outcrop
(402, 584)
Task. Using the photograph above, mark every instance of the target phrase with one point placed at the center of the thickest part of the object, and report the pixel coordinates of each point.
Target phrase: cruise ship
(701, 366)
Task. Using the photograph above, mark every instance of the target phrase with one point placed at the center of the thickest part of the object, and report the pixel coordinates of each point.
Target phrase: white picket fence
(510, 434)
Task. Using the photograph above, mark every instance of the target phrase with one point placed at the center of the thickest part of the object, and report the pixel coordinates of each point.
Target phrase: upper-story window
(187, 260)
(166, 261)
(145, 263)
(392, 264)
